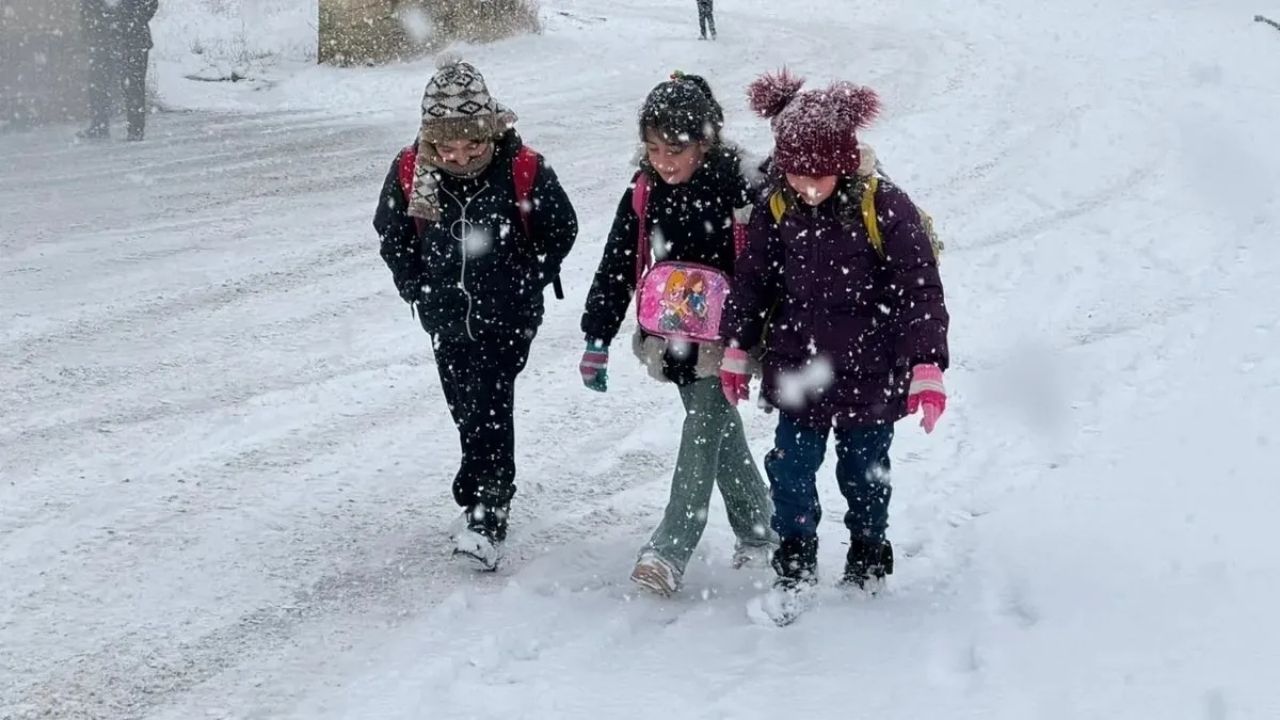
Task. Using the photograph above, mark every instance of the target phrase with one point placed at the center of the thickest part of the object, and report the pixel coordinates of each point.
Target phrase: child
(474, 226)
(856, 335)
(695, 184)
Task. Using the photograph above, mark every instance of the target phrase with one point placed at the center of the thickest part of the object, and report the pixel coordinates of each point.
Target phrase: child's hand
(595, 366)
(735, 380)
(927, 392)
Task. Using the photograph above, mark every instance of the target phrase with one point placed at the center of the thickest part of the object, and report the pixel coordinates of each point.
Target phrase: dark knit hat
(457, 105)
(682, 109)
(814, 131)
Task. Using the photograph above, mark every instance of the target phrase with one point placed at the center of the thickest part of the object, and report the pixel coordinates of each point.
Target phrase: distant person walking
(706, 18)
(117, 34)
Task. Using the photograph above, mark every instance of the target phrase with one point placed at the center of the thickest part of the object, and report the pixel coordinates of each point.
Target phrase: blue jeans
(862, 470)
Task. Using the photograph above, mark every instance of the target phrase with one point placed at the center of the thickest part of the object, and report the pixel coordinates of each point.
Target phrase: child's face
(464, 156)
(675, 162)
(813, 190)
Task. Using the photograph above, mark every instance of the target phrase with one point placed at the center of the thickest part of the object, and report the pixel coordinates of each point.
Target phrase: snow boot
(795, 589)
(480, 539)
(796, 561)
(655, 574)
(867, 564)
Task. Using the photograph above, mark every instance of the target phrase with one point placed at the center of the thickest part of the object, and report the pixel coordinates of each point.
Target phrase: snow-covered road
(224, 461)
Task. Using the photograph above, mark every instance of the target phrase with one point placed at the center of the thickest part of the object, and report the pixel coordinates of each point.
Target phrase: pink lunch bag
(678, 300)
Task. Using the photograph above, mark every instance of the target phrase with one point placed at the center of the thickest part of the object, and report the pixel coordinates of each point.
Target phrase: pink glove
(927, 391)
(735, 381)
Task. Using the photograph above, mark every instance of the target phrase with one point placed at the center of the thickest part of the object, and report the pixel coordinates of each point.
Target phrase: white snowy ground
(224, 461)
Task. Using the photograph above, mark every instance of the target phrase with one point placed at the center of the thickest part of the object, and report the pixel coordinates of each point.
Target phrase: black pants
(117, 62)
(706, 17)
(479, 382)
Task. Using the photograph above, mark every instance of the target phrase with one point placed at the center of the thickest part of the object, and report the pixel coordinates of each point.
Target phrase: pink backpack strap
(640, 204)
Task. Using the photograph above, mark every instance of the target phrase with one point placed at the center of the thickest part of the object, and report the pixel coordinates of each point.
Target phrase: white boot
(473, 545)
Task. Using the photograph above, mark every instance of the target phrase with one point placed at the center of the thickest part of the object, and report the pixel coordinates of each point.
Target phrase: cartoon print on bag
(698, 298)
(675, 301)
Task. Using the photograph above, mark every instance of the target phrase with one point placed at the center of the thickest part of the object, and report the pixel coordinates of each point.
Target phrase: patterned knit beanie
(814, 131)
(455, 106)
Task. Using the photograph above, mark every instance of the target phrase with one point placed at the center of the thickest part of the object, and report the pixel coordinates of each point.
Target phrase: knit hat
(455, 106)
(814, 131)
(682, 109)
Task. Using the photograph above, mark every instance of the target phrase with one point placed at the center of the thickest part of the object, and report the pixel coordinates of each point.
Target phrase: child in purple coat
(852, 330)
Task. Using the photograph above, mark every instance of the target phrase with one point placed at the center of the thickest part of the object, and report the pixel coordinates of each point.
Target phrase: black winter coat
(127, 20)
(692, 222)
(492, 284)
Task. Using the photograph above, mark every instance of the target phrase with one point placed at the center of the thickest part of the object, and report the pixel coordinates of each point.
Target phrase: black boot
(796, 562)
(867, 564)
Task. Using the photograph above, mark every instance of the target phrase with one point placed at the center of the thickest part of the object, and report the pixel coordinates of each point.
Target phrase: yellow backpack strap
(869, 215)
(778, 207)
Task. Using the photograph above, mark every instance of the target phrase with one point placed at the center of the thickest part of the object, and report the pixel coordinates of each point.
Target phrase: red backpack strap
(640, 204)
(524, 172)
(408, 166)
(406, 171)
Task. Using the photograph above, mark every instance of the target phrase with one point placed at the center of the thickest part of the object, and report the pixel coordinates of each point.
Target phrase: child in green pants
(694, 185)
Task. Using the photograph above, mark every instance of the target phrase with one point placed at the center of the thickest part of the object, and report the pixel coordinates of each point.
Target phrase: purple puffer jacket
(840, 327)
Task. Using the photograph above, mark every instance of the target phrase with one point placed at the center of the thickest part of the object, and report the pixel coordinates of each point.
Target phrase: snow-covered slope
(224, 462)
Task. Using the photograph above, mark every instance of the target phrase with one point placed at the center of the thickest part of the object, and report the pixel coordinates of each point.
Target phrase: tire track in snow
(1105, 195)
(192, 133)
(332, 261)
(136, 675)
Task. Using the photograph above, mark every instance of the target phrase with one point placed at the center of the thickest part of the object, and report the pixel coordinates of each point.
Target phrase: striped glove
(928, 393)
(595, 366)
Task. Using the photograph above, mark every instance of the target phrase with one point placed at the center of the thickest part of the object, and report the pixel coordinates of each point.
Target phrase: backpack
(870, 184)
(678, 300)
(524, 170)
